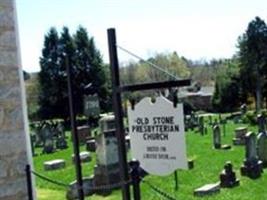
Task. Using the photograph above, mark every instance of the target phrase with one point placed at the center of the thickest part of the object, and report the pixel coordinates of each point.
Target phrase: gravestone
(193, 120)
(61, 143)
(33, 139)
(252, 166)
(207, 189)
(15, 146)
(227, 177)
(107, 123)
(84, 157)
(240, 134)
(90, 145)
(83, 133)
(88, 184)
(220, 118)
(261, 123)
(47, 135)
(210, 120)
(216, 137)
(224, 122)
(54, 164)
(201, 125)
(39, 138)
(60, 129)
(262, 148)
(106, 170)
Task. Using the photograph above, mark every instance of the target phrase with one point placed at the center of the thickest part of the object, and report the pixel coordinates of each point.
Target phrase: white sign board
(157, 136)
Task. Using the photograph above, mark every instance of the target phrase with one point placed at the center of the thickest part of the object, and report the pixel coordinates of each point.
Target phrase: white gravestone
(157, 136)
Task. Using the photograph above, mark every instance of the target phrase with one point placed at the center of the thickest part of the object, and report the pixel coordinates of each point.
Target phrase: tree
(49, 77)
(91, 70)
(86, 66)
(253, 59)
(227, 89)
(171, 63)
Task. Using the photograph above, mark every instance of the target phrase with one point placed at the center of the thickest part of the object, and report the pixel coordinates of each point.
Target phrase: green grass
(208, 164)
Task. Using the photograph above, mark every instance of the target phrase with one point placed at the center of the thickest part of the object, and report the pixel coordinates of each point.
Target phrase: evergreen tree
(253, 59)
(86, 67)
(227, 89)
(90, 69)
(48, 76)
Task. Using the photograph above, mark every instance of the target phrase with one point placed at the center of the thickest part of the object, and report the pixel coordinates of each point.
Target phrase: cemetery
(121, 141)
(225, 168)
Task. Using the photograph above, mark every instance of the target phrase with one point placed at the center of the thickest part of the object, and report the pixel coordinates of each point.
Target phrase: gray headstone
(47, 135)
(88, 184)
(216, 137)
(91, 145)
(39, 139)
(15, 147)
(84, 157)
(107, 123)
(207, 189)
(107, 149)
(252, 166)
(210, 119)
(240, 134)
(33, 139)
(61, 143)
(106, 170)
(83, 133)
(251, 147)
(262, 148)
(261, 123)
(201, 125)
(54, 164)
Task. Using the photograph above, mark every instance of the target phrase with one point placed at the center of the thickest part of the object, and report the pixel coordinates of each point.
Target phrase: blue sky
(195, 29)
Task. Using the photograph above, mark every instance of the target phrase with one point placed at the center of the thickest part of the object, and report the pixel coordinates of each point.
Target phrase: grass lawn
(208, 165)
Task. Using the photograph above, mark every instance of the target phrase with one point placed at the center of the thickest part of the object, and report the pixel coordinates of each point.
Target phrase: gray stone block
(91, 145)
(88, 184)
(85, 156)
(207, 189)
(54, 164)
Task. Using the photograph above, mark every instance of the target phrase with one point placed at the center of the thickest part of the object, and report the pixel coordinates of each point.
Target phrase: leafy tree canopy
(86, 65)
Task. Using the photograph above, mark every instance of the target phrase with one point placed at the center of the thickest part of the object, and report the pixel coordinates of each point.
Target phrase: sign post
(117, 89)
(116, 97)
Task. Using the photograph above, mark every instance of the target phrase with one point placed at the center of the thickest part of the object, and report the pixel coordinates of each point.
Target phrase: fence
(135, 180)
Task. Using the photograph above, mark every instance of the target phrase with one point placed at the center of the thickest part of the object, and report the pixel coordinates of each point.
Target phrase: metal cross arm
(155, 85)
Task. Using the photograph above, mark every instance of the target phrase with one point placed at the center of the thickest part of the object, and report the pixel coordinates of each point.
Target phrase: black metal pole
(74, 133)
(114, 65)
(135, 179)
(224, 129)
(29, 181)
(176, 180)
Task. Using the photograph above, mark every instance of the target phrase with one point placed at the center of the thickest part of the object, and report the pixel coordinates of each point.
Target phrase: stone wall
(14, 142)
